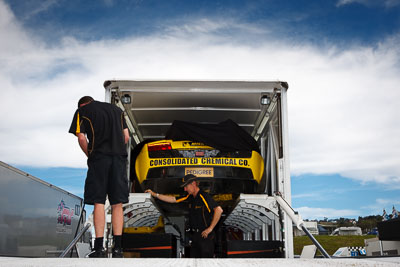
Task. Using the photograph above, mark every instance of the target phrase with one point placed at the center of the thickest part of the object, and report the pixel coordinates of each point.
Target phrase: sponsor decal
(184, 144)
(224, 161)
(200, 172)
(199, 161)
(64, 218)
(174, 161)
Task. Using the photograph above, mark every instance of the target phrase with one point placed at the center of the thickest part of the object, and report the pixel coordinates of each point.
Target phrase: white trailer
(352, 230)
(259, 107)
(37, 219)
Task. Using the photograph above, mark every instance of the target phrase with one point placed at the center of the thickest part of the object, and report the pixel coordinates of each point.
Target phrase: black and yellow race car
(224, 157)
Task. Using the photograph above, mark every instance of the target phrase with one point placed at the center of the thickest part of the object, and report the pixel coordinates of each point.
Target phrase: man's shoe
(117, 253)
(99, 253)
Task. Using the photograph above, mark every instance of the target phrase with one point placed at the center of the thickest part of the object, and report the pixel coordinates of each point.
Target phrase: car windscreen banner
(224, 136)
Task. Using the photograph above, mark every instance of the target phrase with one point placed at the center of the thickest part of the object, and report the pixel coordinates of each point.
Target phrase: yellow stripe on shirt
(78, 125)
(205, 202)
(182, 199)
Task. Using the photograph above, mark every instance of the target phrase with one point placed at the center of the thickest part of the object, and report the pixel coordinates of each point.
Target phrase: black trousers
(202, 247)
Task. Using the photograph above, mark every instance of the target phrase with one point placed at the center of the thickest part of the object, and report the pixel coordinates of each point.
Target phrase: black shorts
(106, 176)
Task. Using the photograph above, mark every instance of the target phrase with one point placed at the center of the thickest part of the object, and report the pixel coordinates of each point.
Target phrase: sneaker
(117, 253)
(100, 253)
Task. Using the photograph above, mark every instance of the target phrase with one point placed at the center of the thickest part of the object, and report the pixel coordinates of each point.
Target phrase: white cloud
(320, 213)
(108, 3)
(382, 203)
(343, 104)
(349, 124)
(315, 195)
(370, 3)
(38, 7)
(205, 27)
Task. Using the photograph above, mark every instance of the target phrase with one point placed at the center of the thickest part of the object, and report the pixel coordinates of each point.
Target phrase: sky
(341, 59)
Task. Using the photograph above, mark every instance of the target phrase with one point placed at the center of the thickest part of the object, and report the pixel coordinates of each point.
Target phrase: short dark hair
(84, 100)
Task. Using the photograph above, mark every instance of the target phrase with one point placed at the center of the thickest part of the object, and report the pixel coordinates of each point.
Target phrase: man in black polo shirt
(204, 214)
(104, 126)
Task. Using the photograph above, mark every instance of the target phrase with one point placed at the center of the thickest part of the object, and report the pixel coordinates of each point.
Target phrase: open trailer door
(258, 107)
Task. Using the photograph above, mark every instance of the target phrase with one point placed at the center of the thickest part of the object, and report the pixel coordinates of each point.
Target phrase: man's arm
(165, 198)
(126, 135)
(83, 143)
(217, 215)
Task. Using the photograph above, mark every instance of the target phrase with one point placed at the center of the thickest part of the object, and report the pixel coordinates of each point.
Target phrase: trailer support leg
(316, 243)
(299, 222)
(76, 239)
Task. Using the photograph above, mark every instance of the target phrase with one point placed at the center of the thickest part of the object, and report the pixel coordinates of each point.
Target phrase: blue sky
(308, 20)
(341, 59)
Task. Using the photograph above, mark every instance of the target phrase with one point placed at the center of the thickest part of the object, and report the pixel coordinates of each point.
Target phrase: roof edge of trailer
(29, 176)
(108, 83)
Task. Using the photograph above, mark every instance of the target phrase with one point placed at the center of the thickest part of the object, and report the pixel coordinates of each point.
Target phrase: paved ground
(47, 262)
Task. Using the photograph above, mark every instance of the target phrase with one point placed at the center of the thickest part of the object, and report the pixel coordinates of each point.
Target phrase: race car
(223, 162)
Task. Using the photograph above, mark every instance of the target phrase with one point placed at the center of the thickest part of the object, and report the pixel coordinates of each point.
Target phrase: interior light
(265, 100)
(126, 99)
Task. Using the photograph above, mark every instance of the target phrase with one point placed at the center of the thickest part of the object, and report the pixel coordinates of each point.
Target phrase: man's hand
(217, 215)
(206, 232)
(151, 192)
(169, 199)
(126, 135)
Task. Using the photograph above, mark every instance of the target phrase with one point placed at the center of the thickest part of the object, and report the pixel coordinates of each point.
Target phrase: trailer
(37, 219)
(255, 225)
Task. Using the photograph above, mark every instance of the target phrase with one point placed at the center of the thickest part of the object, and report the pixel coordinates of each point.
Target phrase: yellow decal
(199, 161)
(185, 144)
(224, 161)
(222, 197)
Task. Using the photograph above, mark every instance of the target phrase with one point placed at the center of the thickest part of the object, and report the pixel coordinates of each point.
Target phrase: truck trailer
(37, 219)
(254, 223)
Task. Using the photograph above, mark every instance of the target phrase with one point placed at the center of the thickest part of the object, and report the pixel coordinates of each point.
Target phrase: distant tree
(344, 222)
(366, 223)
(369, 222)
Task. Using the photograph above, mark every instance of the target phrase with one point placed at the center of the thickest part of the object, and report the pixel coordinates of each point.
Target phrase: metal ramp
(140, 211)
(258, 216)
(255, 214)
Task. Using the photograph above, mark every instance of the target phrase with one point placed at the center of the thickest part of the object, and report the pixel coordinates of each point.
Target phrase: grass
(330, 243)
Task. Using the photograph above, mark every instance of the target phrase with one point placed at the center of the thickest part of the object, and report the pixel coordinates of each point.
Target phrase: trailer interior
(255, 226)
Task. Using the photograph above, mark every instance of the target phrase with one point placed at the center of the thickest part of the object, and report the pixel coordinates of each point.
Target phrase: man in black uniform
(204, 214)
(105, 127)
